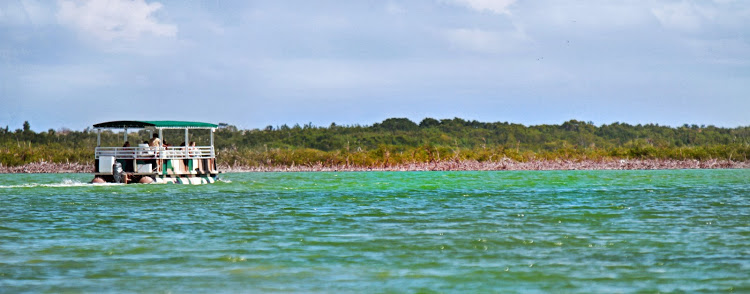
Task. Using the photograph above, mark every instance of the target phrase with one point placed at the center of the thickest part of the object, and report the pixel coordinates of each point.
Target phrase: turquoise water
(526, 231)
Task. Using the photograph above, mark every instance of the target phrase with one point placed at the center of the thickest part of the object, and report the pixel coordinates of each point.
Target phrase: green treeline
(402, 141)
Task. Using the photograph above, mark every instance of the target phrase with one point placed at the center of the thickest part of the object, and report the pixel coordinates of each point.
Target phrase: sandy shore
(637, 164)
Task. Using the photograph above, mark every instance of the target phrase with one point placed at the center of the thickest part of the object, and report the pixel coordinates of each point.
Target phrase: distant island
(400, 144)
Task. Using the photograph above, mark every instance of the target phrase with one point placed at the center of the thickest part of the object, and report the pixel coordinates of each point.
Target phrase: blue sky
(256, 63)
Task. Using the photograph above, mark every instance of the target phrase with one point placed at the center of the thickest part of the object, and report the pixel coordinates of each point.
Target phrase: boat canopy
(158, 124)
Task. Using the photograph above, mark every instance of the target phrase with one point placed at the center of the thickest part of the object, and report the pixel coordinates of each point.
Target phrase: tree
(400, 124)
(227, 127)
(429, 122)
(26, 126)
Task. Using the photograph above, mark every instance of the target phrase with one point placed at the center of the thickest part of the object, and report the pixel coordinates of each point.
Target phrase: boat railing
(179, 152)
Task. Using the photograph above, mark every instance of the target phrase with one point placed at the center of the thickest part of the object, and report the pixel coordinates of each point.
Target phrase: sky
(71, 64)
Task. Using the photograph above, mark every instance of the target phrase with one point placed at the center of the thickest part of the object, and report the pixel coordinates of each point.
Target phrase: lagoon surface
(353, 232)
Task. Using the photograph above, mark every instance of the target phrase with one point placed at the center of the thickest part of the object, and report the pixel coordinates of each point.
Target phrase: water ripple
(574, 231)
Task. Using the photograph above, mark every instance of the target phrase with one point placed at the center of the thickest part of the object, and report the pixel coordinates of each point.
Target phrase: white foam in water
(70, 182)
(64, 183)
(20, 186)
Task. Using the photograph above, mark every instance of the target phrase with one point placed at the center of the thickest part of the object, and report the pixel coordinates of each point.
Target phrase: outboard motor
(117, 172)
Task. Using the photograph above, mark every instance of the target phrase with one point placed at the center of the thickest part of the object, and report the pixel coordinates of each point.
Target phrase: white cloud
(114, 19)
(683, 15)
(494, 6)
(37, 13)
(484, 41)
(393, 8)
(59, 79)
(719, 16)
(311, 74)
(24, 12)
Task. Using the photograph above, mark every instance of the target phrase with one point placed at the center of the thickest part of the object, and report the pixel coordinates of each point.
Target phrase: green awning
(163, 124)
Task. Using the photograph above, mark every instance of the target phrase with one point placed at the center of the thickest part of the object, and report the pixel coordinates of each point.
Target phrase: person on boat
(191, 149)
(193, 152)
(155, 141)
(127, 152)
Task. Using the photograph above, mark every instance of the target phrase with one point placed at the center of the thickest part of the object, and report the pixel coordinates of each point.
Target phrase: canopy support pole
(187, 144)
(126, 134)
(161, 154)
(212, 143)
(98, 137)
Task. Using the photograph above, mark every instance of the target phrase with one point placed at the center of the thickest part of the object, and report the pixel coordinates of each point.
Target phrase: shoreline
(469, 165)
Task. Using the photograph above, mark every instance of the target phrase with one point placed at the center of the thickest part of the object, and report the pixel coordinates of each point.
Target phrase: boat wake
(63, 183)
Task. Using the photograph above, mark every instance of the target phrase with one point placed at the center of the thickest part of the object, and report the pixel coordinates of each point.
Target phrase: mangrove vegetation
(398, 141)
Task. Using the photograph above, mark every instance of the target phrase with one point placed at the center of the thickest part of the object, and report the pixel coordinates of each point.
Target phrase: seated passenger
(144, 151)
(127, 152)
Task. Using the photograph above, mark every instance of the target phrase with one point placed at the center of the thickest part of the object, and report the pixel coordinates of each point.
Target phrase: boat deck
(144, 160)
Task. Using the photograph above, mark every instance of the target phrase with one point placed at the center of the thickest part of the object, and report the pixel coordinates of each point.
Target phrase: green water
(554, 231)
